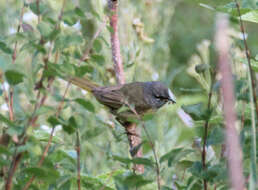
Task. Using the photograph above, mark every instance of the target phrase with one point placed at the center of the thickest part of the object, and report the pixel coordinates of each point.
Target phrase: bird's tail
(83, 83)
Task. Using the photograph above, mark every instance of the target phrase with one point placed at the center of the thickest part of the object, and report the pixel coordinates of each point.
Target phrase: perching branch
(117, 59)
(133, 134)
(234, 153)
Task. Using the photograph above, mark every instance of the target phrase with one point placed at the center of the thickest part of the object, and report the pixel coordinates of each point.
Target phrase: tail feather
(83, 83)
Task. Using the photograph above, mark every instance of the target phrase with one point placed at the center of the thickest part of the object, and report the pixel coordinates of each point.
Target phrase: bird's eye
(160, 98)
(157, 97)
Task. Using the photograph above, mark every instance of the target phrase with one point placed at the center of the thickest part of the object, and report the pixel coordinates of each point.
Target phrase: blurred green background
(160, 40)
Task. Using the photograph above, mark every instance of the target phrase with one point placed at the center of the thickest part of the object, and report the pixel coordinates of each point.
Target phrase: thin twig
(86, 53)
(78, 151)
(154, 154)
(58, 111)
(61, 106)
(234, 152)
(38, 10)
(243, 116)
(23, 140)
(247, 53)
(8, 184)
(205, 135)
(17, 157)
(14, 55)
(18, 30)
(253, 102)
(27, 185)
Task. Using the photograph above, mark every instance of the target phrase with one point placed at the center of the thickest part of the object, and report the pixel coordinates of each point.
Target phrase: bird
(137, 98)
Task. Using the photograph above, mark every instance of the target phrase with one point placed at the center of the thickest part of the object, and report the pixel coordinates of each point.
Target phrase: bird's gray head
(157, 94)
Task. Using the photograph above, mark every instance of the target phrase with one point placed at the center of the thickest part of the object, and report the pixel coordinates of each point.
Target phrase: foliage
(174, 44)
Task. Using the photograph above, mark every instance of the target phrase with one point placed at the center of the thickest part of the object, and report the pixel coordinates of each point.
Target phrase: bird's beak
(172, 97)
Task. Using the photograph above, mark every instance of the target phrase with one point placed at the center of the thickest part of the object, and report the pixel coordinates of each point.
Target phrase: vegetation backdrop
(170, 41)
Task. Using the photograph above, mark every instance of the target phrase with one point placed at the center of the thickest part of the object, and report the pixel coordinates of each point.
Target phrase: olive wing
(111, 97)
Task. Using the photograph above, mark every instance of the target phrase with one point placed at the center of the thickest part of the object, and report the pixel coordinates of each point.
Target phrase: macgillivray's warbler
(142, 96)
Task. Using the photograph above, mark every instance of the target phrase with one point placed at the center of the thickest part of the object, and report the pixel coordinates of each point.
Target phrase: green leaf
(94, 13)
(5, 48)
(175, 155)
(60, 155)
(44, 110)
(184, 164)
(122, 159)
(133, 180)
(14, 77)
(231, 9)
(64, 41)
(249, 4)
(130, 64)
(71, 127)
(70, 17)
(254, 64)
(42, 173)
(6, 121)
(217, 172)
(201, 68)
(40, 8)
(194, 110)
(166, 188)
(54, 121)
(4, 150)
(14, 130)
(110, 29)
(144, 161)
(91, 133)
(93, 183)
(45, 28)
(86, 104)
(82, 70)
(38, 47)
(53, 70)
(79, 12)
(251, 16)
(197, 169)
(216, 136)
(66, 184)
(97, 46)
(247, 14)
(98, 59)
